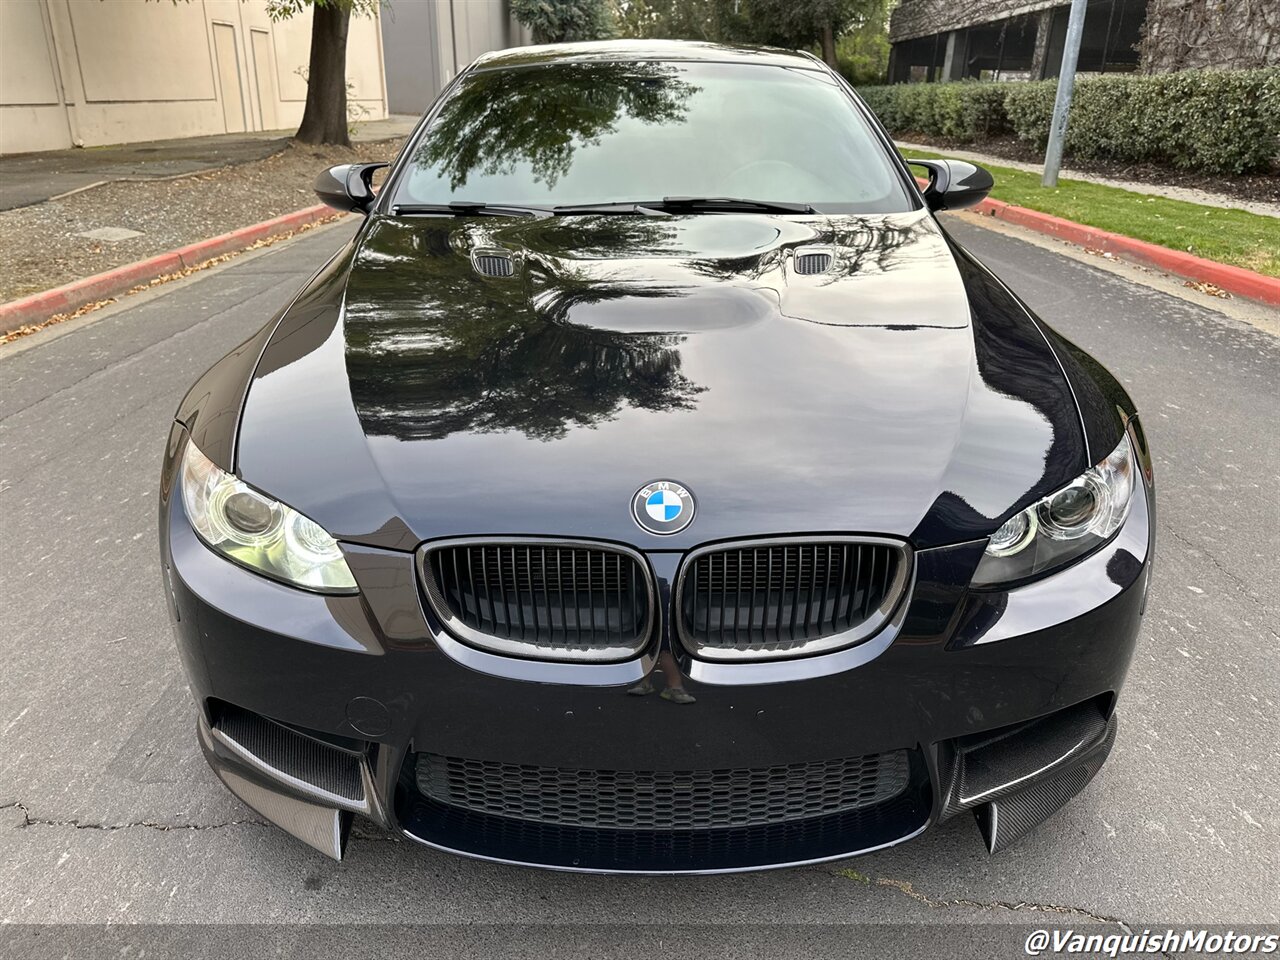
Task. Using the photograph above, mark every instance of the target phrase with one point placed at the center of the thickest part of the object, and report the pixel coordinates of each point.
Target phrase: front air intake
(663, 800)
(313, 769)
(545, 599)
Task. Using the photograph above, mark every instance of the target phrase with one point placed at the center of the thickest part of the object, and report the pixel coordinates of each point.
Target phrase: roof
(622, 50)
(922, 18)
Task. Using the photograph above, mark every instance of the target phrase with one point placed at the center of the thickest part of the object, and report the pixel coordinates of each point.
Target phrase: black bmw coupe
(653, 485)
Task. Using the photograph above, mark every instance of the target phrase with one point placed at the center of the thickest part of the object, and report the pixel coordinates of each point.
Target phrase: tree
(863, 53)
(718, 21)
(324, 118)
(795, 24)
(863, 50)
(564, 21)
(785, 23)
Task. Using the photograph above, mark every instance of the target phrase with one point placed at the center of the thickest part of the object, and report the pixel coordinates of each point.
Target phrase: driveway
(109, 813)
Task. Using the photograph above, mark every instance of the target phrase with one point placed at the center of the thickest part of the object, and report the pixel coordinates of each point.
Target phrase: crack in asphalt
(903, 886)
(1013, 906)
(1234, 578)
(30, 821)
(374, 838)
(937, 903)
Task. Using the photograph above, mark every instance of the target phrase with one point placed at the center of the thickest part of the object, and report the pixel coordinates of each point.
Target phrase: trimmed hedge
(966, 111)
(1213, 121)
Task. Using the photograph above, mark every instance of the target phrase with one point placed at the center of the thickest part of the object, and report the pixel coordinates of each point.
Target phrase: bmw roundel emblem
(662, 507)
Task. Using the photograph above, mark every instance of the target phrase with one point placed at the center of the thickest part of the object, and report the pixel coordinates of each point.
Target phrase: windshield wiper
(572, 209)
(650, 208)
(728, 204)
(467, 208)
(669, 205)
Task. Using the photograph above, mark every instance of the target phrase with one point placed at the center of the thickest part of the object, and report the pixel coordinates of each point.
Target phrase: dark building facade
(1023, 39)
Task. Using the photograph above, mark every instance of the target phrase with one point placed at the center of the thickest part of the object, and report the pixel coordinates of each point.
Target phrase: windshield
(608, 132)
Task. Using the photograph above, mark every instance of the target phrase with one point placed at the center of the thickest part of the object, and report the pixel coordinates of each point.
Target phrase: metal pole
(1066, 84)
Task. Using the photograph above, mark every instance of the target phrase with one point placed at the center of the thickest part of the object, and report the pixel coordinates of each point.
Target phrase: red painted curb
(41, 306)
(1234, 280)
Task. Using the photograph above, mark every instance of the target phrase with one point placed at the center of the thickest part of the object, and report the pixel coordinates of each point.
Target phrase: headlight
(263, 534)
(1063, 526)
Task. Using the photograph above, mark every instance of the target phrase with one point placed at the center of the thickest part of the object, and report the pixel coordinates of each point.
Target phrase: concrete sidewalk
(1203, 197)
(30, 178)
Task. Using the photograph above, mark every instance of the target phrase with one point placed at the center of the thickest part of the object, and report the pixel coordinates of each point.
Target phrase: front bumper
(1001, 703)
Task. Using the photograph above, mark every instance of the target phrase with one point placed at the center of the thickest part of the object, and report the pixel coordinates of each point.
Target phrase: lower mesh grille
(553, 600)
(650, 851)
(663, 800)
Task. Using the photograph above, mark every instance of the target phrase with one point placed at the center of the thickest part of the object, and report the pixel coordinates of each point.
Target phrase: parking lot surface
(109, 813)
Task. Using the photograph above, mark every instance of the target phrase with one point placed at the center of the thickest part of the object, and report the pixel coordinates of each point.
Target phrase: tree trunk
(829, 45)
(325, 118)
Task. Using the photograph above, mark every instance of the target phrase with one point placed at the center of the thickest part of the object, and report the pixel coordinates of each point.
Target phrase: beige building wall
(426, 43)
(94, 72)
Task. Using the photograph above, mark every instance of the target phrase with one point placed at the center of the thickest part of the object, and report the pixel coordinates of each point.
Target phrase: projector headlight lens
(1065, 525)
(252, 529)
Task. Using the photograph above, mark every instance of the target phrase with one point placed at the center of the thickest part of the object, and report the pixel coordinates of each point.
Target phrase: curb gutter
(41, 306)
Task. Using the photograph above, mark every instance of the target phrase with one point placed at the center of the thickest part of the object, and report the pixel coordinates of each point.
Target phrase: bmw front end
(643, 530)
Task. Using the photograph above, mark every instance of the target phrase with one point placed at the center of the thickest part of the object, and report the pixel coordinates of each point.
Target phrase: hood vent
(811, 260)
(493, 263)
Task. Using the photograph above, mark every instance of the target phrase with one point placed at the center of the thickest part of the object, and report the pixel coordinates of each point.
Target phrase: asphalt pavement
(108, 813)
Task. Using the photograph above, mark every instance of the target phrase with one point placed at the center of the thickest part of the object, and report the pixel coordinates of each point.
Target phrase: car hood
(903, 391)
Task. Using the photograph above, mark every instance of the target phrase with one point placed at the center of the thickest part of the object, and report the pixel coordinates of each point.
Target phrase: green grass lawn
(1229, 236)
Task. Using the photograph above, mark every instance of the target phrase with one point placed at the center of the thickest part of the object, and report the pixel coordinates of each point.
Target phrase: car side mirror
(348, 186)
(954, 184)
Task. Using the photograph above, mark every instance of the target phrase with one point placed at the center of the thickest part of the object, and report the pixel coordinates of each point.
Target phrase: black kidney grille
(543, 597)
(662, 800)
(781, 598)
